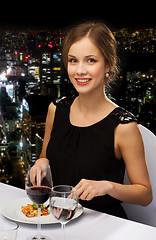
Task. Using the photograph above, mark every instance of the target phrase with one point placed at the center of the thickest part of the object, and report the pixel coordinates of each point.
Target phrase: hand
(88, 189)
(38, 171)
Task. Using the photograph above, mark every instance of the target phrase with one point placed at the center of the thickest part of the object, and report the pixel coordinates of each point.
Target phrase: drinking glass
(39, 192)
(8, 231)
(64, 203)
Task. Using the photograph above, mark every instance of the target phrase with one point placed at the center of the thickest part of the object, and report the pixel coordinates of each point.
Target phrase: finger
(84, 194)
(89, 197)
(73, 194)
(38, 176)
(32, 175)
(78, 185)
(43, 175)
(79, 191)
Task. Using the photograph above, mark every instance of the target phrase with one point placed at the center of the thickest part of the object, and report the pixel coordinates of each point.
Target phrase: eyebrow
(71, 56)
(88, 56)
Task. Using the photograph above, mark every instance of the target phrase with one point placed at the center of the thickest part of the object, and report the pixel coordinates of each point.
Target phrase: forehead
(84, 47)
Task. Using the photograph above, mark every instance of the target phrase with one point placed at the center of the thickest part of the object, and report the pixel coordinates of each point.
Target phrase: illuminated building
(51, 71)
(45, 67)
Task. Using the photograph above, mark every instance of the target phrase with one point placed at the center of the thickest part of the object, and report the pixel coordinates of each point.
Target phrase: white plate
(12, 210)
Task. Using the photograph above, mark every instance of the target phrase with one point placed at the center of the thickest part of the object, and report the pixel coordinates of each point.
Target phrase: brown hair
(102, 37)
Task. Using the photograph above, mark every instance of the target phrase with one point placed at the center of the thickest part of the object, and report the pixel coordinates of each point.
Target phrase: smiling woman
(88, 139)
(102, 38)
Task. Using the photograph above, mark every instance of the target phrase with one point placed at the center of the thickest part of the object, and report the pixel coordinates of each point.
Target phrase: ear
(107, 69)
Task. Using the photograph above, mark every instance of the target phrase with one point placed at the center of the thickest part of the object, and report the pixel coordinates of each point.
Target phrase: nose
(81, 70)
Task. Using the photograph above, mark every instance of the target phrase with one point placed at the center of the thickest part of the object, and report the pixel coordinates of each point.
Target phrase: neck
(91, 102)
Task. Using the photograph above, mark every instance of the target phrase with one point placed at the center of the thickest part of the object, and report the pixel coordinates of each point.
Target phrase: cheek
(71, 70)
(97, 71)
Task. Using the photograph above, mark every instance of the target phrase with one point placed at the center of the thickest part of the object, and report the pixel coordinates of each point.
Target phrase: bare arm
(48, 129)
(132, 150)
(129, 142)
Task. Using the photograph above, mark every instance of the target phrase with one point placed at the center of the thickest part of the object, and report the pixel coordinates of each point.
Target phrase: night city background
(32, 74)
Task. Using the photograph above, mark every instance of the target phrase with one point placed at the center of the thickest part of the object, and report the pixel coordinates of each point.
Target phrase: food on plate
(31, 210)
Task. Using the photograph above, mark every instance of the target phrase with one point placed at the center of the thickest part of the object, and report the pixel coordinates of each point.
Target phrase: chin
(81, 90)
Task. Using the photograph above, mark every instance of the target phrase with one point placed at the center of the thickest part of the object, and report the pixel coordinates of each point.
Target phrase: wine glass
(39, 191)
(64, 203)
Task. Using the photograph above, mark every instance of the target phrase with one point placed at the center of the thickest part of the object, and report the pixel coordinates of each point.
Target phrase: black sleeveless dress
(87, 152)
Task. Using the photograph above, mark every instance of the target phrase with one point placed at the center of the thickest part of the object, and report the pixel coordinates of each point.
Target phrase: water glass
(64, 204)
(8, 230)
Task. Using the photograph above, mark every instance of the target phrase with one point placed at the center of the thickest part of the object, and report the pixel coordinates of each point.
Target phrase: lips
(82, 81)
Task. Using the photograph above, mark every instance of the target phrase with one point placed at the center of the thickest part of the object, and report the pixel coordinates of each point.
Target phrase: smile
(82, 81)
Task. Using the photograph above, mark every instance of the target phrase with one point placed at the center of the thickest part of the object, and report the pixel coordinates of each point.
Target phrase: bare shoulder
(52, 108)
(50, 115)
(128, 134)
(128, 128)
(128, 138)
(51, 111)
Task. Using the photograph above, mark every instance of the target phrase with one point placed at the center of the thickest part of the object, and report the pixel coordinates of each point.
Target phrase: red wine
(39, 195)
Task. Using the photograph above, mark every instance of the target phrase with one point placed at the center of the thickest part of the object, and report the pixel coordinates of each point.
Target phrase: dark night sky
(48, 15)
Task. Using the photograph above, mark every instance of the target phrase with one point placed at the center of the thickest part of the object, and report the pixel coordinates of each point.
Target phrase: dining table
(90, 225)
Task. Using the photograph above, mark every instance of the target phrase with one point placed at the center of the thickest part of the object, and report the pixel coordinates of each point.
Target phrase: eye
(91, 60)
(72, 60)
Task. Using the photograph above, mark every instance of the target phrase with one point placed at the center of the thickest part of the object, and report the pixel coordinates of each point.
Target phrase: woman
(88, 139)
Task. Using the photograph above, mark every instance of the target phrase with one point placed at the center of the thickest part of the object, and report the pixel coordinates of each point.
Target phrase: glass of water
(8, 231)
(64, 203)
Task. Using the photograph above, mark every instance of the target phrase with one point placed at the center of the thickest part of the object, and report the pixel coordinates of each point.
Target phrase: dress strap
(123, 115)
(64, 101)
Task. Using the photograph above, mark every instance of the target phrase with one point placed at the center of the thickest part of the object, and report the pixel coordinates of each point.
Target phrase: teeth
(83, 80)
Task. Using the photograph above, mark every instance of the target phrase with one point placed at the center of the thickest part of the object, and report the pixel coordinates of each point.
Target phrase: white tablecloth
(91, 225)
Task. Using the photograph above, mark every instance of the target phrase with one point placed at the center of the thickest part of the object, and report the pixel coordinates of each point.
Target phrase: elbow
(148, 199)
